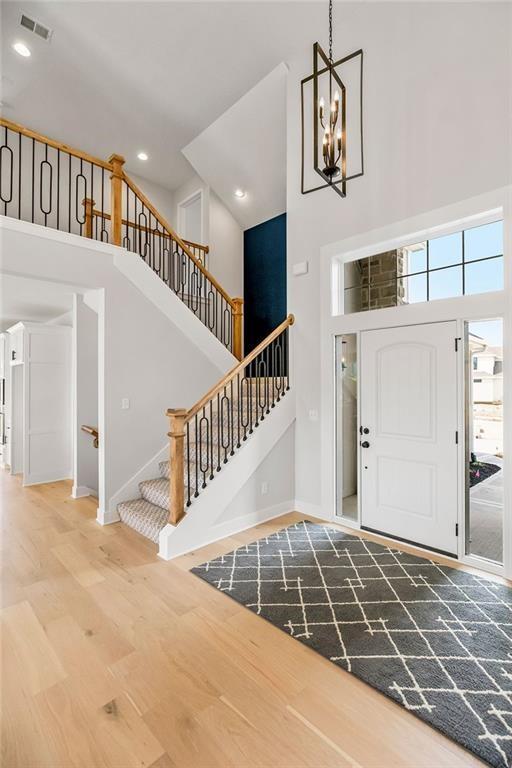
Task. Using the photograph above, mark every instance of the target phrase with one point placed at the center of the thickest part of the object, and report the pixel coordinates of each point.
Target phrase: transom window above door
(457, 264)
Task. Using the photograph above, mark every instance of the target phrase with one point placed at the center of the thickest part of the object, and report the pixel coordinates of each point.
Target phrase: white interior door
(190, 216)
(409, 454)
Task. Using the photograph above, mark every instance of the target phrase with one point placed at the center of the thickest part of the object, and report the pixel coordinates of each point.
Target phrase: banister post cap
(176, 412)
(116, 159)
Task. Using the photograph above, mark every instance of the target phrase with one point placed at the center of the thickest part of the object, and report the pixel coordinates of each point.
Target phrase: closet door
(47, 401)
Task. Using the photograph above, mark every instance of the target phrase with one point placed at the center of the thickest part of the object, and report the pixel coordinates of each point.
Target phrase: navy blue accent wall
(264, 279)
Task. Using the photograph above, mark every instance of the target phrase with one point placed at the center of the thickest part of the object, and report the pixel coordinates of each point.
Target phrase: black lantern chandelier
(329, 100)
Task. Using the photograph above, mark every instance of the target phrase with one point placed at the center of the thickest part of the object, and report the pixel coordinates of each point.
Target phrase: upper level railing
(203, 438)
(49, 183)
(200, 251)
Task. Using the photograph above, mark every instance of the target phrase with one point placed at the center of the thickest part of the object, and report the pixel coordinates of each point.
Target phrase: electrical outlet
(125, 403)
(313, 415)
(264, 488)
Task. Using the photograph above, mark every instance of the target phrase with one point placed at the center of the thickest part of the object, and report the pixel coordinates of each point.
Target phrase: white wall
(277, 471)
(437, 108)
(160, 197)
(246, 147)
(85, 396)
(143, 356)
(222, 234)
(226, 259)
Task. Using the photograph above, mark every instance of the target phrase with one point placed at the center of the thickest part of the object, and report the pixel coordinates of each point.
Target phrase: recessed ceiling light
(142, 156)
(240, 193)
(22, 49)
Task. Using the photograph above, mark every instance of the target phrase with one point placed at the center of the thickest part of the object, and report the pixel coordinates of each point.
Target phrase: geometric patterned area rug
(435, 639)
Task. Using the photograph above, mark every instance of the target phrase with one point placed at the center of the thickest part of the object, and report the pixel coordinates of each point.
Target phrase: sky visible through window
(489, 330)
(474, 276)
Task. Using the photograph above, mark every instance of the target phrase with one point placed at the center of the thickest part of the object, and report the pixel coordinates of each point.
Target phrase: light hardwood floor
(113, 658)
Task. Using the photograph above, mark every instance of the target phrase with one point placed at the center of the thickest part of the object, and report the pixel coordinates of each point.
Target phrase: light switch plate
(301, 268)
(125, 403)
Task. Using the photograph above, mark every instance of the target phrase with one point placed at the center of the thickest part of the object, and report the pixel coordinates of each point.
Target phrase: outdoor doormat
(480, 470)
(435, 639)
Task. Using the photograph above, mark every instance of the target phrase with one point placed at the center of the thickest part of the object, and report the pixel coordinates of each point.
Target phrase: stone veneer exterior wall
(381, 285)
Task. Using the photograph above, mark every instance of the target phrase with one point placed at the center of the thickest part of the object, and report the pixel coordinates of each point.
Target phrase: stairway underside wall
(147, 357)
(234, 500)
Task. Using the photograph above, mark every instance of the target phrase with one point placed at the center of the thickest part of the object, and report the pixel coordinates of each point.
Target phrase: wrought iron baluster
(224, 423)
(287, 339)
(80, 221)
(19, 175)
(250, 383)
(238, 412)
(126, 238)
(104, 232)
(135, 237)
(273, 362)
(187, 438)
(58, 184)
(69, 193)
(231, 453)
(211, 440)
(218, 433)
(92, 191)
(199, 456)
(279, 364)
(6, 150)
(267, 380)
(33, 174)
(204, 465)
(245, 424)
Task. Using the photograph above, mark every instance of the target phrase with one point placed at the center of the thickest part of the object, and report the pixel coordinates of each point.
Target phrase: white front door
(409, 453)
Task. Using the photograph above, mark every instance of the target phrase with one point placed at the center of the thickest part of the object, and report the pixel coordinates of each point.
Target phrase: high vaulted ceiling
(130, 76)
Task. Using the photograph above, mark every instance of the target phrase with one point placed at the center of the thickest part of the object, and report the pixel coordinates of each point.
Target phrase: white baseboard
(104, 517)
(79, 491)
(239, 524)
(41, 480)
(311, 510)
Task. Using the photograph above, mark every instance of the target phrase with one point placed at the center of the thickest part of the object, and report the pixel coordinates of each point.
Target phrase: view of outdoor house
(485, 415)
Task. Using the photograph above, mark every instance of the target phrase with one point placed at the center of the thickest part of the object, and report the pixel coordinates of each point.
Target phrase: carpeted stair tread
(145, 518)
(149, 514)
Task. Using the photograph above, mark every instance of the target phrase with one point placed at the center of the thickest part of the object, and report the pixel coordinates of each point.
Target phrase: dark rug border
(313, 650)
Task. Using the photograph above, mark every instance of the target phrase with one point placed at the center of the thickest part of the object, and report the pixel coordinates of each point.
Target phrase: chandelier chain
(330, 30)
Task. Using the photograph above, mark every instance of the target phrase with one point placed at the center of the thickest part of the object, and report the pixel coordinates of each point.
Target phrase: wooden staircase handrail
(93, 431)
(225, 321)
(191, 244)
(165, 224)
(180, 464)
(55, 144)
(127, 223)
(230, 375)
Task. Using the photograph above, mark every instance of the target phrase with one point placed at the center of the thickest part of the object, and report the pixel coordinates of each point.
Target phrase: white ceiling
(29, 300)
(125, 76)
(246, 148)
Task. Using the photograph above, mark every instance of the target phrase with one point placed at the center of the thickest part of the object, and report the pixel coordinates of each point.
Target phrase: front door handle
(365, 444)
